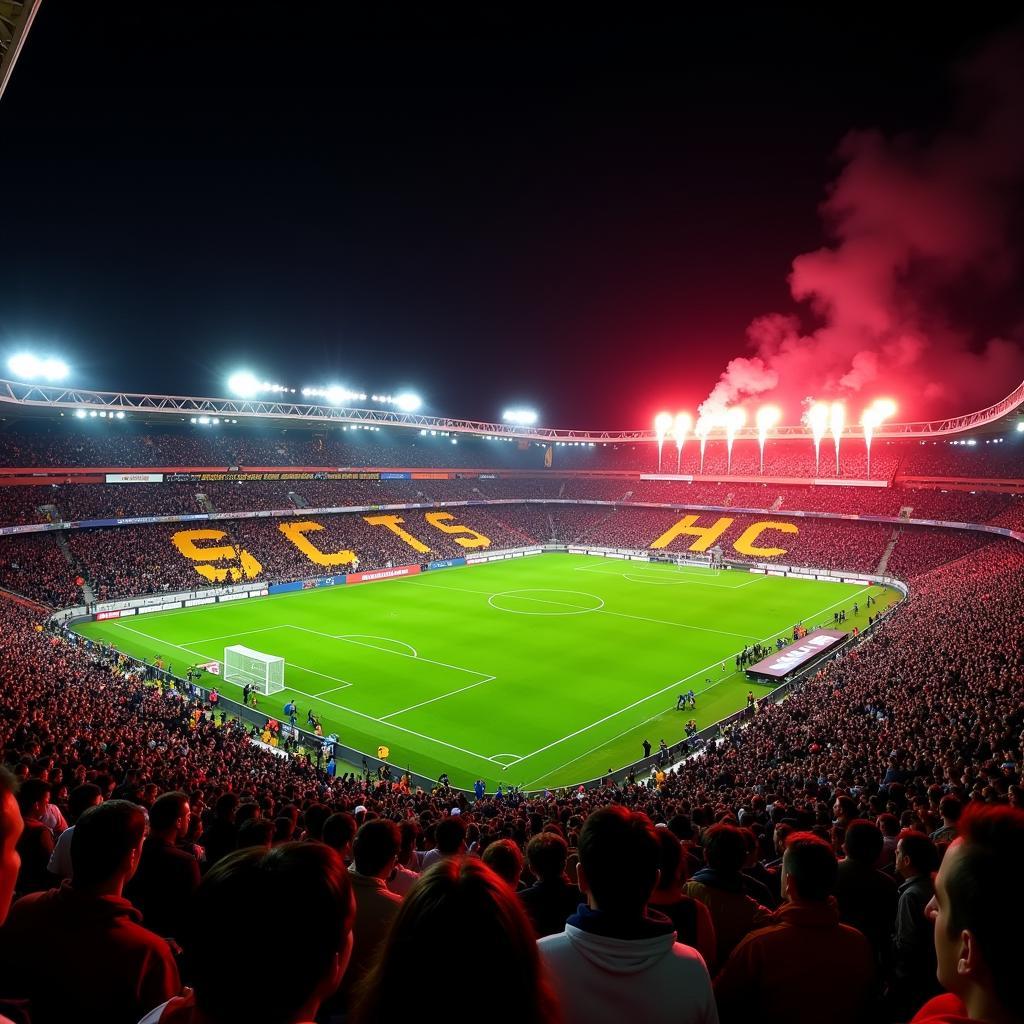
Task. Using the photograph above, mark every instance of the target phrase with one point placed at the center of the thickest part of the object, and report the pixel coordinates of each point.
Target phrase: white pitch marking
(600, 611)
(228, 636)
(628, 729)
(539, 600)
(688, 578)
(315, 697)
(397, 654)
(180, 647)
(442, 696)
(496, 757)
(664, 689)
(387, 639)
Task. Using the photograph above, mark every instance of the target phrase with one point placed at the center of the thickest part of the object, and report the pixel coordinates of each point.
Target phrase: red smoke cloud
(923, 253)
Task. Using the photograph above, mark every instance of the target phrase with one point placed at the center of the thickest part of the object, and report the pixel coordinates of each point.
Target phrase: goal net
(263, 672)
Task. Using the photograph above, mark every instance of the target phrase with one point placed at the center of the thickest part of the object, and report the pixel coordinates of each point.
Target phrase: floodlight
(27, 366)
(520, 417)
(408, 401)
(243, 384)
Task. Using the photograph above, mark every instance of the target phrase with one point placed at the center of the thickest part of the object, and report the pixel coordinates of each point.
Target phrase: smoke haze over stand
(925, 254)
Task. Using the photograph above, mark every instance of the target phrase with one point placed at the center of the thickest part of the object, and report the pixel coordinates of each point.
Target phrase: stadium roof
(21, 399)
(15, 20)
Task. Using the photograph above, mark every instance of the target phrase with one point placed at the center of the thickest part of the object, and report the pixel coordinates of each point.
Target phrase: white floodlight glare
(1020, 427)
(243, 384)
(26, 366)
(80, 414)
(408, 401)
(520, 417)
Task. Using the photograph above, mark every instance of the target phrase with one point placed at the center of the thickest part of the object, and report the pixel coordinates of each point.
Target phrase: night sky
(583, 218)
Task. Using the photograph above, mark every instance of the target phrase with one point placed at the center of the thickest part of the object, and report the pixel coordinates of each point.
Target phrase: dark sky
(584, 218)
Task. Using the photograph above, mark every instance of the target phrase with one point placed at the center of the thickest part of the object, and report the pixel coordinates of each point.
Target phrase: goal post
(263, 672)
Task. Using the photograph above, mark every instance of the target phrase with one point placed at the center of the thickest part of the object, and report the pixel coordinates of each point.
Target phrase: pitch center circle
(545, 602)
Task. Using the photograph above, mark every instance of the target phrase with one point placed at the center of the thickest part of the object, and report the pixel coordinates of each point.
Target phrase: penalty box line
(657, 693)
(343, 683)
(484, 678)
(340, 707)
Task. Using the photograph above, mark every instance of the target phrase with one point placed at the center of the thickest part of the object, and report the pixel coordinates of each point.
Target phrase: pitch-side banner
(135, 478)
(382, 574)
(790, 658)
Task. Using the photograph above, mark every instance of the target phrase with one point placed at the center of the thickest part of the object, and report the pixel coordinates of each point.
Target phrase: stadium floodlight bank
(263, 672)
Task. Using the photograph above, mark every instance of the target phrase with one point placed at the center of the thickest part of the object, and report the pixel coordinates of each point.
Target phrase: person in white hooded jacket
(617, 960)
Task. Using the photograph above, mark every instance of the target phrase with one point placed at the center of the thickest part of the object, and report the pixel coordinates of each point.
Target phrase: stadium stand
(919, 722)
(926, 709)
(122, 444)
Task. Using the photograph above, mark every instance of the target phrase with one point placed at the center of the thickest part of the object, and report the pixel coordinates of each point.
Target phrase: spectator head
(916, 854)
(82, 798)
(284, 828)
(863, 842)
(619, 857)
(226, 807)
(672, 862)
(782, 833)
(230, 907)
(889, 825)
(977, 909)
(33, 798)
(339, 831)
(10, 832)
(459, 912)
(246, 812)
(410, 831)
(313, 819)
(106, 845)
(845, 808)
(451, 836)
(547, 853)
(725, 849)
(255, 832)
(950, 808)
(169, 816)
(809, 869)
(505, 860)
(375, 848)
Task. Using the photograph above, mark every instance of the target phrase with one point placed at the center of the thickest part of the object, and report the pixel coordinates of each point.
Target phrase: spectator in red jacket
(80, 950)
(805, 966)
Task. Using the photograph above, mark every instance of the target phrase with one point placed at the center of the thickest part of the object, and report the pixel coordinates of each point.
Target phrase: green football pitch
(536, 672)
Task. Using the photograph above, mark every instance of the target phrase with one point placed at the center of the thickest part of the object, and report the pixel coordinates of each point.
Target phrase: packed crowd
(921, 549)
(33, 565)
(75, 502)
(122, 444)
(127, 561)
(789, 866)
(1004, 460)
